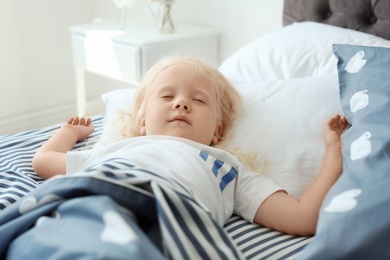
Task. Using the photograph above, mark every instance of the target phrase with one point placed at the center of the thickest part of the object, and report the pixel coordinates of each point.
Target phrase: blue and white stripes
(224, 173)
(17, 176)
(257, 242)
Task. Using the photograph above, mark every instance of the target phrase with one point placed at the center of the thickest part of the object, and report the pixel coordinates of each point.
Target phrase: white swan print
(30, 202)
(343, 202)
(361, 147)
(116, 230)
(359, 100)
(356, 63)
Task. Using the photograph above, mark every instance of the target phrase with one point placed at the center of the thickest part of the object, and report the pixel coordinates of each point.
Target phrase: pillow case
(297, 50)
(354, 220)
(117, 102)
(282, 121)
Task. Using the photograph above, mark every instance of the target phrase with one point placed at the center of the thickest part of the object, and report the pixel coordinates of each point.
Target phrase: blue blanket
(113, 210)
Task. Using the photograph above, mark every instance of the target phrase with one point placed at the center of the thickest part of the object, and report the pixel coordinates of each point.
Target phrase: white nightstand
(127, 55)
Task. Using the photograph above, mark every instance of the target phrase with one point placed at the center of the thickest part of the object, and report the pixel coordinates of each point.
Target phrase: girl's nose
(182, 104)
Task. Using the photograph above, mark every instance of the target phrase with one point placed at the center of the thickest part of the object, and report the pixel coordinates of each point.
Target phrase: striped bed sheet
(17, 178)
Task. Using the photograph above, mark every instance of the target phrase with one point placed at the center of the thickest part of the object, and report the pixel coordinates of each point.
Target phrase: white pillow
(297, 50)
(282, 121)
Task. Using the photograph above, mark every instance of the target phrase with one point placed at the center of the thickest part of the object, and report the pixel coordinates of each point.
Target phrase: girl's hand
(333, 130)
(82, 127)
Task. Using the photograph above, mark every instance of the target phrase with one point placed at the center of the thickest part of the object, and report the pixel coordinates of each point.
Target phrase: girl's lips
(180, 118)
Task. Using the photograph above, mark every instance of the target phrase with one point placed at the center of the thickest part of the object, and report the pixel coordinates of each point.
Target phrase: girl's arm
(299, 217)
(50, 159)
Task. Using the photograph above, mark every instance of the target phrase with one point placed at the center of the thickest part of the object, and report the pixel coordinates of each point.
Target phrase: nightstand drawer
(103, 56)
(128, 60)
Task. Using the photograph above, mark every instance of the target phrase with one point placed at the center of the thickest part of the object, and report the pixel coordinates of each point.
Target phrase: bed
(330, 57)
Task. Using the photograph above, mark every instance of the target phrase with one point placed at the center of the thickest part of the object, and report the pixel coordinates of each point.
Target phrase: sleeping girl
(183, 112)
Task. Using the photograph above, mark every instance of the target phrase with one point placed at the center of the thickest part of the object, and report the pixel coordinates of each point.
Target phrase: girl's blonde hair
(228, 98)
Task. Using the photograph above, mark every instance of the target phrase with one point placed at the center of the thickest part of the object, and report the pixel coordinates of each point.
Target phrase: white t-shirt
(215, 177)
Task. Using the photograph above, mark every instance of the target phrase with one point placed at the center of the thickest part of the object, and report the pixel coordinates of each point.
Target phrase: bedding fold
(112, 210)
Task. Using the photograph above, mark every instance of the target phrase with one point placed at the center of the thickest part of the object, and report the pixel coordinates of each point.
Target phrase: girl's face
(181, 104)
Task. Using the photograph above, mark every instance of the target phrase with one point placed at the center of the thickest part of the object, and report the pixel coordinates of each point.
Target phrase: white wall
(36, 76)
(239, 21)
(37, 85)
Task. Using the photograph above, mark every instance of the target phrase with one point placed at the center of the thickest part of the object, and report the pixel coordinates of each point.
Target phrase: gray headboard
(370, 16)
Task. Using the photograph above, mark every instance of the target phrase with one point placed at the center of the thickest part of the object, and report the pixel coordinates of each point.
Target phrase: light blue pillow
(354, 220)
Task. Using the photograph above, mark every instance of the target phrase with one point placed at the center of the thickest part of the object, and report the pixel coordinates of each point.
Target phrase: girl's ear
(217, 134)
(141, 123)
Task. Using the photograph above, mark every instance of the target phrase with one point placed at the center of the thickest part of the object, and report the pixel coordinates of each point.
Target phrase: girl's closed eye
(166, 96)
(200, 100)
